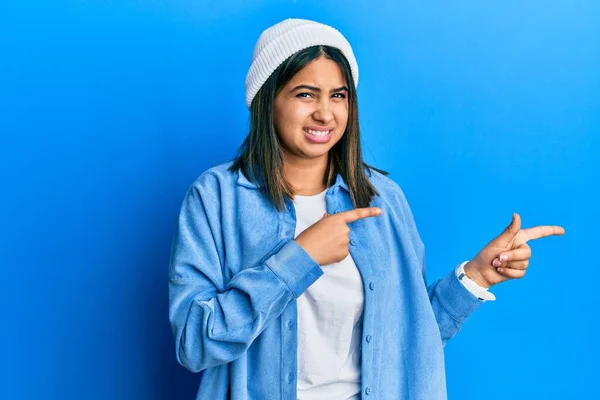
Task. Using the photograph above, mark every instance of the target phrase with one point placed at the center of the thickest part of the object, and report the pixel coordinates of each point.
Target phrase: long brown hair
(261, 157)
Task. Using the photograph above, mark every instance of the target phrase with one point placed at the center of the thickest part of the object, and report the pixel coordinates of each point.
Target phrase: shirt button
(372, 285)
(368, 338)
(290, 324)
(368, 390)
(353, 242)
(289, 207)
(290, 378)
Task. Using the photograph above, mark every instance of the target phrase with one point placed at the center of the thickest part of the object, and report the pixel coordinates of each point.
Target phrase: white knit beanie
(285, 38)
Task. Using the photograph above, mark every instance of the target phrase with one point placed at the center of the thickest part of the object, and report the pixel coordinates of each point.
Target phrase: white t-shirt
(329, 321)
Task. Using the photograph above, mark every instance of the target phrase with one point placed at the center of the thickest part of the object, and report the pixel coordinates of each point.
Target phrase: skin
(507, 256)
(327, 240)
(325, 104)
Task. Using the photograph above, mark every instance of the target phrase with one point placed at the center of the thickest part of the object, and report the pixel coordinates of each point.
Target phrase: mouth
(318, 135)
(320, 132)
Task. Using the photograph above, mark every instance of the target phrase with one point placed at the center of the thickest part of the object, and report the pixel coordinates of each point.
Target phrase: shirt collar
(244, 181)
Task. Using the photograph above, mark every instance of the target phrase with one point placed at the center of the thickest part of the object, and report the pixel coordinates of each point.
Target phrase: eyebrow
(316, 89)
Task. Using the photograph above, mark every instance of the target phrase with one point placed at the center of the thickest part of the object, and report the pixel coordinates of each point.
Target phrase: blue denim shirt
(236, 272)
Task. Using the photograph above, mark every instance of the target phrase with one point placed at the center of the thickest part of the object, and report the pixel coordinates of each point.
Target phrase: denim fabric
(236, 272)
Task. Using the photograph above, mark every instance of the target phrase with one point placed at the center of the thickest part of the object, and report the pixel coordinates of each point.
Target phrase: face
(311, 110)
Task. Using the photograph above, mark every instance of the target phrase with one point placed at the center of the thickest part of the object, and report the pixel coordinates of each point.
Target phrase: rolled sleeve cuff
(294, 266)
(456, 299)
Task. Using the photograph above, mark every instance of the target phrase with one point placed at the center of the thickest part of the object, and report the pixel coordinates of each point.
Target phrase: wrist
(475, 276)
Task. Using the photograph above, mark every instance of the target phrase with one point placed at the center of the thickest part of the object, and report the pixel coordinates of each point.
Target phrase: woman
(297, 270)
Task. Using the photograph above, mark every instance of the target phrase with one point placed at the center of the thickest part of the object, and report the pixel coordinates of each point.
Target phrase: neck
(306, 175)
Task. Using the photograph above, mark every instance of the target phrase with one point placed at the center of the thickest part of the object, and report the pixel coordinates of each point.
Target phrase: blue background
(110, 109)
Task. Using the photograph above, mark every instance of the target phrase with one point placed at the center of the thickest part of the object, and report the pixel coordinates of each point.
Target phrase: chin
(313, 153)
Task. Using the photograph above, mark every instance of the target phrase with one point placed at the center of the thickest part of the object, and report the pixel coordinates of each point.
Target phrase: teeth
(317, 133)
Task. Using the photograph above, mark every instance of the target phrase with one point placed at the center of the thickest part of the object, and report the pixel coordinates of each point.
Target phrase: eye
(342, 95)
(302, 95)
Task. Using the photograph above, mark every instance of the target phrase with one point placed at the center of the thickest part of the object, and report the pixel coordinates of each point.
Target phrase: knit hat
(285, 38)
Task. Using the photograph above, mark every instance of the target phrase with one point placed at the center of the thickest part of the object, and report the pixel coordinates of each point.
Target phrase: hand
(327, 239)
(509, 251)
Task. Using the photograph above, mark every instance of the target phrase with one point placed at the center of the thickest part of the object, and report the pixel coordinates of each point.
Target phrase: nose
(323, 112)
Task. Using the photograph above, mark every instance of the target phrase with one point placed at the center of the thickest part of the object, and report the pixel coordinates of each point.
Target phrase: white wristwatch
(481, 292)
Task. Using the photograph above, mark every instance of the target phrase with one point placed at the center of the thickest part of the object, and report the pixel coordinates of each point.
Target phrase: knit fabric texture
(280, 41)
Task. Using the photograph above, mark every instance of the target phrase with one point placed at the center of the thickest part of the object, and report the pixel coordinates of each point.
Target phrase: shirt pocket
(324, 338)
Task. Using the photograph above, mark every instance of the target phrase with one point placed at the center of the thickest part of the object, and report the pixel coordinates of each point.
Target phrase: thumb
(510, 232)
(325, 215)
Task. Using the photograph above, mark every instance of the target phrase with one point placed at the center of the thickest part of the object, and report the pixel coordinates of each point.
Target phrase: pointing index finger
(543, 231)
(359, 213)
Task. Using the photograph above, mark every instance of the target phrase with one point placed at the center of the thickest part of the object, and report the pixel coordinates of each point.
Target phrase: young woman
(297, 271)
